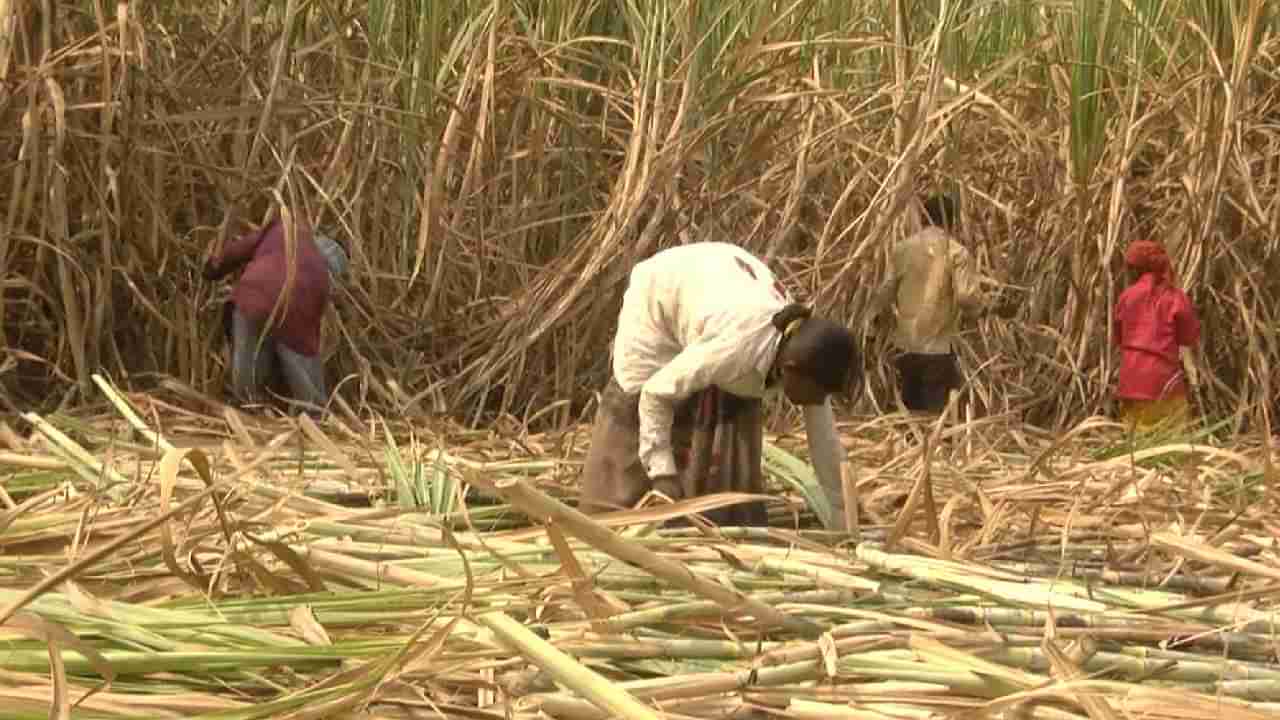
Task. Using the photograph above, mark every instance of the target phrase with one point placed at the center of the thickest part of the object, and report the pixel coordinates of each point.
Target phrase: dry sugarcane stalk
(547, 510)
(607, 696)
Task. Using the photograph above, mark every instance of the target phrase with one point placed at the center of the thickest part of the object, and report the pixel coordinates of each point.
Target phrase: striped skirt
(718, 439)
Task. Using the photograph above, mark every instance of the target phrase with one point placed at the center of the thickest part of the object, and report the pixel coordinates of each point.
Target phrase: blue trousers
(252, 352)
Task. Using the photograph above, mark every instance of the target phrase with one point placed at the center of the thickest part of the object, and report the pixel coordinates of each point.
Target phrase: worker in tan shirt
(931, 281)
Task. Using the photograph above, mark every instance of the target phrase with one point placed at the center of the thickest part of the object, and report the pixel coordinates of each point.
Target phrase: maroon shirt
(265, 260)
(1152, 320)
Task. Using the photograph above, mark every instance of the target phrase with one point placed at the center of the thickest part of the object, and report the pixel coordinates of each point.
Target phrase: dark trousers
(927, 379)
(253, 351)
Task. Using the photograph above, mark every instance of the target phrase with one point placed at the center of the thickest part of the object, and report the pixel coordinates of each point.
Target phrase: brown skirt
(718, 441)
(927, 380)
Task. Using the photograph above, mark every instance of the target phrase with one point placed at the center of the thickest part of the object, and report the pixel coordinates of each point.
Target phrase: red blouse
(1152, 320)
(265, 260)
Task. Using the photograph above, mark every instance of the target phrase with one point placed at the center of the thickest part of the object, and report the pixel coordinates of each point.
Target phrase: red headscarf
(1149, 256)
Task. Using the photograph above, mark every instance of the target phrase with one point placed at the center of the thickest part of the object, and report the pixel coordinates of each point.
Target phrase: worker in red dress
(1155, 328)
(278, 305)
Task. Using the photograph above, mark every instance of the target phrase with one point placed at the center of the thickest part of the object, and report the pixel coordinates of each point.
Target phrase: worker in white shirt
(931, 281)
(705, 331)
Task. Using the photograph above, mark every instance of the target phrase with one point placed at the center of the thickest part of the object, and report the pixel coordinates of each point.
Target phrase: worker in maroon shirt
(276, 314)
(1155, 329)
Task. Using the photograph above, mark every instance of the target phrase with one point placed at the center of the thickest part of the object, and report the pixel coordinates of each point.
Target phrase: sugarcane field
(519, 359)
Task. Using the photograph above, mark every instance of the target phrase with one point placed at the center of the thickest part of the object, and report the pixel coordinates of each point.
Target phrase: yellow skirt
(1169, 413)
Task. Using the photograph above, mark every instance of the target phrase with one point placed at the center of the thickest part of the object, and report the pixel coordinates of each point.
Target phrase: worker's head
(818, 357)
(941, 211)
(1148, 256)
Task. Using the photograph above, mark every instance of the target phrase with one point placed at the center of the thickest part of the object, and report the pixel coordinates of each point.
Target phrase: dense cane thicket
(498, 167)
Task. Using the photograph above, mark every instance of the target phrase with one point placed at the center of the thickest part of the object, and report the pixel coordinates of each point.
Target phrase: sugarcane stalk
(546, 509)
(611, 699)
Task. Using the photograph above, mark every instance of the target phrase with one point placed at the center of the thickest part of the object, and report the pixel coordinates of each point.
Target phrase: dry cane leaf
(86, 603)
(1206, 554)
(830, 656)
(595, 603)
(60, 708)
(168, 477)
(331, 449)
(57, 637)
(303, 620)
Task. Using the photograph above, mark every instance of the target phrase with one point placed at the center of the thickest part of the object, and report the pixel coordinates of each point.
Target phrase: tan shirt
(932, 279)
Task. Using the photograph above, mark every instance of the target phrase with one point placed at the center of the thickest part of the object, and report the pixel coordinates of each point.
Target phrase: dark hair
(941, 211)
(826, 352)
(794, 311)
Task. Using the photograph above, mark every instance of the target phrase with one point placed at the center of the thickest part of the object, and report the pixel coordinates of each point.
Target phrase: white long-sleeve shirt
(695, 316)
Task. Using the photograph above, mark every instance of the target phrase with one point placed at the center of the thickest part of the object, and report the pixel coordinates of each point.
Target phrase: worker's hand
(210, 272)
